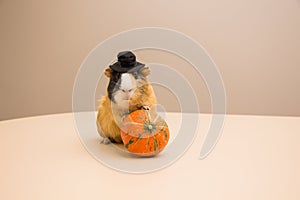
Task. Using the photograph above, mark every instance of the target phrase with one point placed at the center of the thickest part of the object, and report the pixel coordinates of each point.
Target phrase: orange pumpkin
(144, 133)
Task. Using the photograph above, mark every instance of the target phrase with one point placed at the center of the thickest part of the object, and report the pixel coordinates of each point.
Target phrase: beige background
(255, 44)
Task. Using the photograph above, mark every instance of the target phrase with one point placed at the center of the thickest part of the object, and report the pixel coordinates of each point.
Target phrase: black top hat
(126, 63)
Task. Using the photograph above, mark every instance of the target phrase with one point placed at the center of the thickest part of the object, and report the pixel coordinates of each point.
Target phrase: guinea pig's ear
(107, 72)
(145, 71)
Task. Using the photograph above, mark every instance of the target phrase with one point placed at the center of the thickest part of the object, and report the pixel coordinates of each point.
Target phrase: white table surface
(257, 157)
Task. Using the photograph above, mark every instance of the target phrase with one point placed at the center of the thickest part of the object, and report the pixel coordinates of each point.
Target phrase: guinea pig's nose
(127, 90)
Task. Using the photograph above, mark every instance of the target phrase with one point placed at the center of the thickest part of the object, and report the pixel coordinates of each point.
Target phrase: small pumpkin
(144, 133)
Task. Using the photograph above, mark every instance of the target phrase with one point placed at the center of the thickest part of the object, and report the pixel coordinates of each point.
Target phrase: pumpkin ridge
(146, 145)
(135, 123)
(137, 141)
(155, 119)
(159, 128)
(155, 144)
(141, 134)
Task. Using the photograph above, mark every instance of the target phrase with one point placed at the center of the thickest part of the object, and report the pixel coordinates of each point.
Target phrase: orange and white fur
(126, 92)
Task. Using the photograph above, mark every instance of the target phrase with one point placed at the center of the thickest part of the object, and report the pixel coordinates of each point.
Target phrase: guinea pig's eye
(135, 75)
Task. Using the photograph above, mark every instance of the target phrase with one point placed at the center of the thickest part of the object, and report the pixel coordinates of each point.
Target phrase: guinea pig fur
(126, 92)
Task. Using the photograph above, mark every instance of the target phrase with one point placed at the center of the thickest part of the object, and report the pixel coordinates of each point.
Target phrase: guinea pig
(127, 91)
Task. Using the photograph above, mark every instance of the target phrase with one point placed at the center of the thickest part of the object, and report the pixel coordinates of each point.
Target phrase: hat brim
(118, 68)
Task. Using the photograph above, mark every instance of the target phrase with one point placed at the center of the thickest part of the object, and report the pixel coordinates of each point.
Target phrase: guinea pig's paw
(146, 107)
(104, 140)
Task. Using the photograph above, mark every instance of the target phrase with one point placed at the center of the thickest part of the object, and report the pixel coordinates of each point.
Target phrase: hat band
(127, 63)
